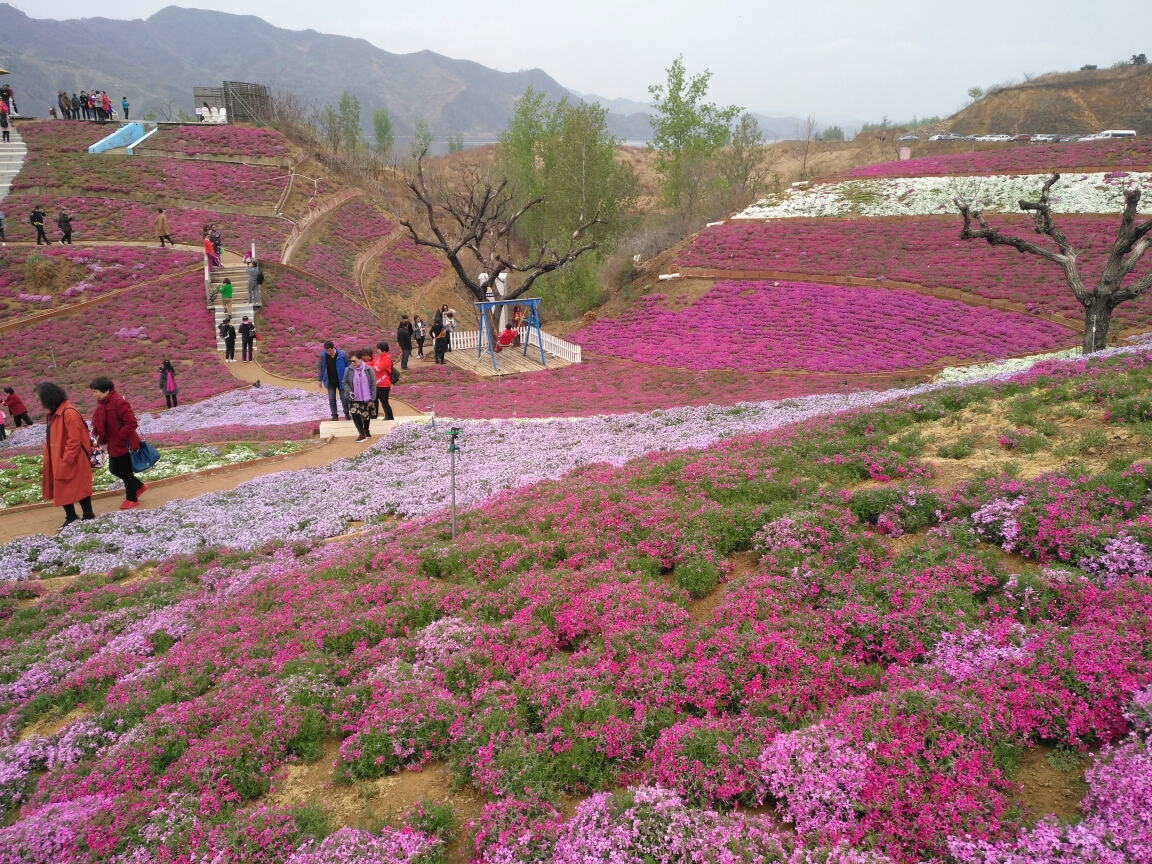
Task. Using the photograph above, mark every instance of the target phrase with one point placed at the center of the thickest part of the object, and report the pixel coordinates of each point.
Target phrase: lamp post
(452, 451)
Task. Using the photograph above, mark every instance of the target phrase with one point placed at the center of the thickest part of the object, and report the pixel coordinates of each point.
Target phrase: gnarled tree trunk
(1132, 241)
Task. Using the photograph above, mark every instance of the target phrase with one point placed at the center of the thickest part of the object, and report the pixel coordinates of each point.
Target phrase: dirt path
(48, 520)
(229, 257)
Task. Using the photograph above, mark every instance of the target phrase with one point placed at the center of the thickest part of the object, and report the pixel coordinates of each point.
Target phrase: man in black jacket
(404, 340)
(36, 217)
(64, 223)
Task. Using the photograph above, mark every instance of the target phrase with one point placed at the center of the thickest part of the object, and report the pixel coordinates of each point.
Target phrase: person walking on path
(114, 425)
(404, 341)
(168, 383)
(226, 296)
(66, 473)
(382, 364)
(15, 406)
(64, 223)
(228, 334)
(247, 334)
(439, 342)
(4, 126)
(450, 326)
(217, 241)
(124, 105)
(210, 252)
(360, 389)
(36, 217)
(255, 280)
(160, 228)
(419, 333)
(330, 371)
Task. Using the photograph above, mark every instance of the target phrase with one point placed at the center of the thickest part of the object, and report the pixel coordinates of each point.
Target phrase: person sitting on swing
(505, 339)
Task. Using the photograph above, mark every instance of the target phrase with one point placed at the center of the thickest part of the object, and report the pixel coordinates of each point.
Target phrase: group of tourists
(362, 380)
(228, 332)
(213, 245)
(95, 106)
(37, 217)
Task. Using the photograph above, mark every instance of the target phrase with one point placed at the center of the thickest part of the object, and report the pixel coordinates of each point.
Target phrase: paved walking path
(12, 155)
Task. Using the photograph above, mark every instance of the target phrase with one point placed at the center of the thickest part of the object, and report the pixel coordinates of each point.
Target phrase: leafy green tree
(565, 155)
(331, 129)
(421, 138)
(832, 133)
(351, 134)
(455, 143)
(975, 93)
(686, 133)
(382, 125)
(747, 161)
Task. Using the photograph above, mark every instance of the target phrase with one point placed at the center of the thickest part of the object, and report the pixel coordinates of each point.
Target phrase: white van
(1117, 133)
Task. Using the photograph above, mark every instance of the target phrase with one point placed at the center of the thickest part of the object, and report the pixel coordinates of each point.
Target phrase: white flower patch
(1101, 192)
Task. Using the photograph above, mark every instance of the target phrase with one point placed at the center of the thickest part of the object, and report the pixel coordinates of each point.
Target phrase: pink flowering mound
(924, 251)
(70, 275)
(1021, 159)
(126, 339)
(229, 140)
(68, 136)
(212, 182)
(406, 266)
(793, 326)
(113, 219)
(348, 231)
(609, 385)
(299, 316)
(672, 643)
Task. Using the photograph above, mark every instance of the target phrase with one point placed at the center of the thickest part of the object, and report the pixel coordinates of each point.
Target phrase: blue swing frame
(532, 320)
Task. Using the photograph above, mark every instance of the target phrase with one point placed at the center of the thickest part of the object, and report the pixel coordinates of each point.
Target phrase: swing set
(487, 341)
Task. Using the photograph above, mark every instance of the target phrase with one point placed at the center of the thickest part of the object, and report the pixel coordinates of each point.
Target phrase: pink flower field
(924, 250)
(227, 140)
(795, 326)
(67, 136)
(298, 317)
(349, 230)
(215, 182)
(110, 219)
(94, 271)
(406, 266)
(163, 321)
(1020, 159)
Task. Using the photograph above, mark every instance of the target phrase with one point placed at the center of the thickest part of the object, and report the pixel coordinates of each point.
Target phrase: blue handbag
(145, 457)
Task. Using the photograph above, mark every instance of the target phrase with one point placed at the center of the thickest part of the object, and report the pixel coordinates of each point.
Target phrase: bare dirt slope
(1072, 102)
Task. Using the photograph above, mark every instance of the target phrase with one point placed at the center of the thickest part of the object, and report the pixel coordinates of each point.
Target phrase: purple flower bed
(924, 251)
(92, 271)
(796, 326)
(1029, 159)
(230, 140)
(405, 266)
(348, 231)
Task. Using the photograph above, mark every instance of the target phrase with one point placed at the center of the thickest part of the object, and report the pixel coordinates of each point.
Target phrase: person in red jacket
(66, 473)
(382, 363)
(114, 425)
(15, 406)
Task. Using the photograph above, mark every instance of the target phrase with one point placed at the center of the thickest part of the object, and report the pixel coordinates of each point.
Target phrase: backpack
(395, 377)
(259, 277)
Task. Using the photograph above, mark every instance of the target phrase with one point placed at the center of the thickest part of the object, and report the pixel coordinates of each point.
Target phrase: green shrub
(698, 576)
(308, 742)
(961, 448)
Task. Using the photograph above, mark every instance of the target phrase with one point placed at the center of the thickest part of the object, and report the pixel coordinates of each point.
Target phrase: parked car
(909, 138)
(1021, 137)
(1045, 139)
(1117, 133)
(1000, 138)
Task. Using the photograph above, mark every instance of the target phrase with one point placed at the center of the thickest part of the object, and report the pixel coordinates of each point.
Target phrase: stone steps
(12, 156)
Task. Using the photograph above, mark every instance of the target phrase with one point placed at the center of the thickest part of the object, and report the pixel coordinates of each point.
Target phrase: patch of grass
(1064, 759)
(961, 448)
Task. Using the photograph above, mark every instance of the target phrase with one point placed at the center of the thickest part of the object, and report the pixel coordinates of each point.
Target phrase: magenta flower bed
(924, 251)
(796, 326)
(348, 231)
(298, 317)
(62, 136)
(1030, 159)
(221, 141)
(405, 266)
(177, 326)
(110, 219)
(96, 270)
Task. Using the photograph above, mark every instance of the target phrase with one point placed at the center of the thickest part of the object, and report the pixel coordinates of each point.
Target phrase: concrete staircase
(238, 273)
(11, 159)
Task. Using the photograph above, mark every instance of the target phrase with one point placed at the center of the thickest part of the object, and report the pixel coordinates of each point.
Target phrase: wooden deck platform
(510, 361)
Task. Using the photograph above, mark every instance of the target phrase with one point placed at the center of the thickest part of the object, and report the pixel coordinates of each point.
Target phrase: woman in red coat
(114, 425)
(66, 476)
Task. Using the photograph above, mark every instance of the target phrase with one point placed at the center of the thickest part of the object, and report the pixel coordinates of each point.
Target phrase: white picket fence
(465, 339)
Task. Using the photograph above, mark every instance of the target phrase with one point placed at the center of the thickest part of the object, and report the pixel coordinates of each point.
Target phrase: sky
(830, 58)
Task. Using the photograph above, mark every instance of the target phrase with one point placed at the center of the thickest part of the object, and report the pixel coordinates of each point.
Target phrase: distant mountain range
(159, 60)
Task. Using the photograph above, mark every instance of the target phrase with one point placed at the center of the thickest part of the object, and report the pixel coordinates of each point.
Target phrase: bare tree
(474, 222)
(167, 109)
(1132, 241)
(806, 132)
